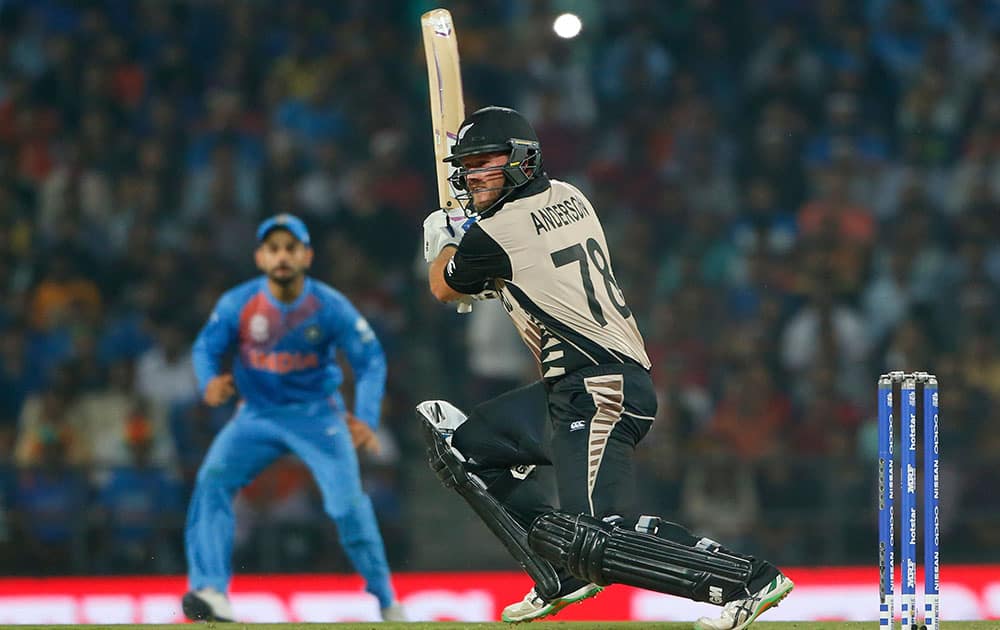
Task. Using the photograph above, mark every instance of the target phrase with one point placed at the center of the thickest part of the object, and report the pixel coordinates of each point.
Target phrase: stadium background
(799, 196)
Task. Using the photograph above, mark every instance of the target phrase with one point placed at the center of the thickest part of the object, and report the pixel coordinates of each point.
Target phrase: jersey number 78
(594, 254)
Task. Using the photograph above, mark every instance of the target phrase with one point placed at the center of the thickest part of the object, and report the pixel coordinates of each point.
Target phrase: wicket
(898, 395)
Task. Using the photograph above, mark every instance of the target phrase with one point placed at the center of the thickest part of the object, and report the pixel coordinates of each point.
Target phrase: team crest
(313, 333)
(259, 328)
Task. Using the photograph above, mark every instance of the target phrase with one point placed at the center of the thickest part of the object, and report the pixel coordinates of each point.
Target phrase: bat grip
(464, 307)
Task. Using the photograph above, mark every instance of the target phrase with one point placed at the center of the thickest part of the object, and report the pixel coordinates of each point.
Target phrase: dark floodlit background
(798, 196)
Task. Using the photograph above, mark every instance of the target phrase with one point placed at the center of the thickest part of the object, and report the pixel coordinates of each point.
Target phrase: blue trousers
(318, 435)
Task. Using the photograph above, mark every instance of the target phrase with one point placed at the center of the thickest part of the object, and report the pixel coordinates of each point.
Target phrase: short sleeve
(478, 261)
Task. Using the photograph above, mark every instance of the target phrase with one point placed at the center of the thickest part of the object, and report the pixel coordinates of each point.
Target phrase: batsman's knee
(443, 416)
(440, 419)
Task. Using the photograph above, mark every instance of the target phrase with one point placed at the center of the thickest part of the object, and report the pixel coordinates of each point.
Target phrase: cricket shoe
(207, 604)
(740, 613)
(394, 612)
(534, 607)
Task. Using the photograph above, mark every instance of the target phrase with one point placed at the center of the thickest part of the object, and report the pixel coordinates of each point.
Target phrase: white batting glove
(443, 228)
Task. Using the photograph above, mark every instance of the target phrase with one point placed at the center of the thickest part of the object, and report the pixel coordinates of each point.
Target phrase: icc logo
(259, 328)
(313, 334)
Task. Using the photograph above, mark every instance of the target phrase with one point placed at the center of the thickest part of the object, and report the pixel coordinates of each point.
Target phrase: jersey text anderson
(564, 213)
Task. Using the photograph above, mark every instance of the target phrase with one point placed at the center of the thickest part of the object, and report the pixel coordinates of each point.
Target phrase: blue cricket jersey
(286, 353)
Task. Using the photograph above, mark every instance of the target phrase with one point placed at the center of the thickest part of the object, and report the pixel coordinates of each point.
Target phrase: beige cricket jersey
(546, 255)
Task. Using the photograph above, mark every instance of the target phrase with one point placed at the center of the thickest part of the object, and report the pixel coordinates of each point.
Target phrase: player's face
(283, 257)
(485, 178)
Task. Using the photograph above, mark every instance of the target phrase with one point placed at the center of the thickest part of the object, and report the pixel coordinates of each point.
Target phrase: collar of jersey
(288, 306)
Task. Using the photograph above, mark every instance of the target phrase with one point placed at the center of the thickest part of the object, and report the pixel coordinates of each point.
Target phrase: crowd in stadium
(800, 197)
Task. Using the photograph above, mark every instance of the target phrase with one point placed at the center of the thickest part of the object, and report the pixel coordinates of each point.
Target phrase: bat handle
(464, 306)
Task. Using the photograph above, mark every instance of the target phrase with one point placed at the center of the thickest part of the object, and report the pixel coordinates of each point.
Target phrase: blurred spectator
(495, 366)
(900, 36)
(980, 362)
(751, 420)
(164, 374)
(192, 427)
(63, 296)
(909, 345)
(382, 484)
(635, 67)
(785, 51)
(313, 117)
(276, 503)
(887, 299)
(226, 178)
(49, 500)
(138, 506)
(828, 422)
(320, 188)
(719, 500)
(763, 226)
(107, 413)
(16, 380)
(73, 187)
(834, 213)
(825, 329)
(51, 431)
(789, 488)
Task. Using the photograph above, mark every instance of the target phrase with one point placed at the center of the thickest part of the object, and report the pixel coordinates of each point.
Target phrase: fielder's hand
(362, 435)
(219, 390)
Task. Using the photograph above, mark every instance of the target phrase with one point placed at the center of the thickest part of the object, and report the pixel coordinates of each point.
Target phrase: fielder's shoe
(207, 604)
(740, 613)
(534, 607)
(394, 612)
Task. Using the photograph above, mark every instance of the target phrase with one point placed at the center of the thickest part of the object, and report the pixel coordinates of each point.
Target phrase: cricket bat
(444, 78)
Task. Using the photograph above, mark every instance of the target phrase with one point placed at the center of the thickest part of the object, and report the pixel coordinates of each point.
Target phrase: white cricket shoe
(740, 613)
(207, 604)
(394, 612)
(534, 607)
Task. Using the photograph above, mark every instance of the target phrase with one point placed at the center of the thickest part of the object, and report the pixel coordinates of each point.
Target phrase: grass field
(566, 625)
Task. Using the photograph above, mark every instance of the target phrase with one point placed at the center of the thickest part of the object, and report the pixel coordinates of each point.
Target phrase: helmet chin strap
(499, 200)
(467, 194)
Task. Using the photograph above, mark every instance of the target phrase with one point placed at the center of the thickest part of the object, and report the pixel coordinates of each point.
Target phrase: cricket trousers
(317, 433)
(566, 445)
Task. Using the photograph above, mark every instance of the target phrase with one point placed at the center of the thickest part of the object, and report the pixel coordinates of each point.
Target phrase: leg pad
(600, 552)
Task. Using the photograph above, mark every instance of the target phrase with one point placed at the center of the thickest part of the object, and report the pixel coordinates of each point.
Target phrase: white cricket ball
(567, 25)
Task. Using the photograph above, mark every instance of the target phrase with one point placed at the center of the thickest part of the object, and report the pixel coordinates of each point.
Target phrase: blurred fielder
(548, 467)
(285, 329)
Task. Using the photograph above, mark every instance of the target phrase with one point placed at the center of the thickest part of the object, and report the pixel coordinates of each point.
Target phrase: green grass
(566, 625)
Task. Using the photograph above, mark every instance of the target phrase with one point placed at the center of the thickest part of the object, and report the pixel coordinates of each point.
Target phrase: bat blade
(444, 82)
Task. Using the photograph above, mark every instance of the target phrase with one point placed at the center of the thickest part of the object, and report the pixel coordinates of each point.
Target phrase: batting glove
(443, 228)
